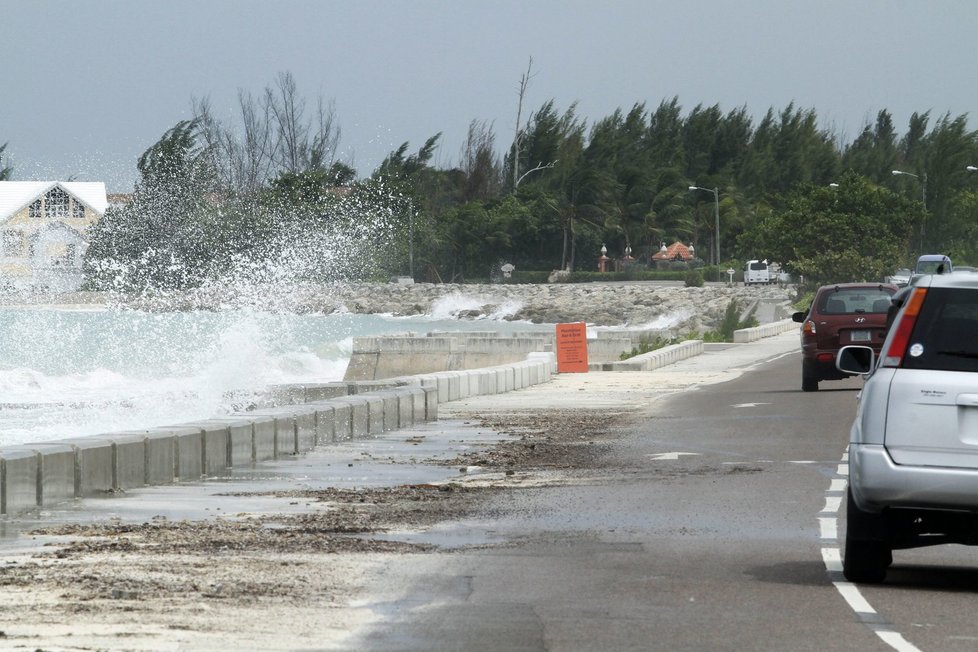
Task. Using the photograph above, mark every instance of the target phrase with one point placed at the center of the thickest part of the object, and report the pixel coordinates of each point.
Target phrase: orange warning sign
(571, 348)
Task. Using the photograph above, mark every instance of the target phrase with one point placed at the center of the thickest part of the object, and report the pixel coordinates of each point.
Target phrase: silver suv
(913, 451)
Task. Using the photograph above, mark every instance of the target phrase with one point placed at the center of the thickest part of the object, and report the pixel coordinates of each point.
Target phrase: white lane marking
(832, 504)
(827, 528)
(658, 457)
(896, 641)
(832, 559)
(855, 599)
(744, 405)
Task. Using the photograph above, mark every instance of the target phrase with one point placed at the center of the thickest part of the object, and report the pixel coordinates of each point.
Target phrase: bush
(646, 344)
(694, 279)
(731, 322)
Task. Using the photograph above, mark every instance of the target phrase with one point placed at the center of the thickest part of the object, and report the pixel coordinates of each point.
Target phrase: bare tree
(273, 136)
(242, 159)
(300, 144)
(520, 131)
(287, 114)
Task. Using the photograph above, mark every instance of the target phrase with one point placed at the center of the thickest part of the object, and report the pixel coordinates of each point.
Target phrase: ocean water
(66, 373)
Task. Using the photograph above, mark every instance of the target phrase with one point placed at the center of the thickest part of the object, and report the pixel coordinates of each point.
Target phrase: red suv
(841, 314)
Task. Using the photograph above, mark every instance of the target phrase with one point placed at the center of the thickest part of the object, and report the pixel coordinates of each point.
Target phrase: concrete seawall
(376, 358)
(290, 420)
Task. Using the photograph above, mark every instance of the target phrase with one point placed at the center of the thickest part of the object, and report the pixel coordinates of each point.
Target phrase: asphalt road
(713, 529)
(713, 522)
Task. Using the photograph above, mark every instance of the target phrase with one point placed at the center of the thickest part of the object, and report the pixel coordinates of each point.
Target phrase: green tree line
(213, 196)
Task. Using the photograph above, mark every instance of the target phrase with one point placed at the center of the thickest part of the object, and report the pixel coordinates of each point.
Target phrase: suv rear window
(854, 300)
(945, 336)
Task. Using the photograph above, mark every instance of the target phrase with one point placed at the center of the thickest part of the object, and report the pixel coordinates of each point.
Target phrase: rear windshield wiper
(959, 354)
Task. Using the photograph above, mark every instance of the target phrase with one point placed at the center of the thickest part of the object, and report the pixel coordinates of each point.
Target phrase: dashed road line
(828, 529)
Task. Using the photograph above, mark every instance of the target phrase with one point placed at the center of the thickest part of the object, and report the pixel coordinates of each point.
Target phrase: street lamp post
(923, 197)
(716, 215)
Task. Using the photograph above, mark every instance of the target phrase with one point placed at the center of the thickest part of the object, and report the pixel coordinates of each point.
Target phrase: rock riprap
(600, 304)
(634, 304)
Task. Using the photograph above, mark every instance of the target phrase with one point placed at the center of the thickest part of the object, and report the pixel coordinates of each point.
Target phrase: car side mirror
(855, 359)
(798, 316)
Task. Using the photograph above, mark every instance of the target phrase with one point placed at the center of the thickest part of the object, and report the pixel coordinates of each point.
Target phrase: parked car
(913, 451)
(931, 264)
(756, 272)
(900, 277)
(841, 314)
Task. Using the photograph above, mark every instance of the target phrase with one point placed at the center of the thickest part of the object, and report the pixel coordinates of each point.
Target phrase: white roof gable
(14, 195)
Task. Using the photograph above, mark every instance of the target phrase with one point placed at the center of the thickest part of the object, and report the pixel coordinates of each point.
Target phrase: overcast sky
(86, 87)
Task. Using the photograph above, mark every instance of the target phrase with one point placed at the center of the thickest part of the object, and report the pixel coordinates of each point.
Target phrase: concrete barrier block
(324, 391)
(56, 474)
(286, 394)
(455, 385)
(306, 429)
(430, 403)
(325, 422)
(376, 412)
(240, 442)
(285, 436)
(189, 452)
(501, 378)
(161, 457)
(342, 420)
(517, 376)
(215, 454)
(389, 409)
(128, 460)
(369, 386)
(405, 407)
(443, 384)
(263, 441)
(93, 465)
(283, 428)
(474, 382)
(417, 403)
(18, 480)
(215, 444)
(295, 427)
(359, 415)
(487, 382)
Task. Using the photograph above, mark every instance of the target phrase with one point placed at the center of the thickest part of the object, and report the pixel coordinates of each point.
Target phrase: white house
(43, 232)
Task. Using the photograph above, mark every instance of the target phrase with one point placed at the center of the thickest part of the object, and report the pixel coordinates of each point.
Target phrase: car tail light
(901, 337)
(808, 328)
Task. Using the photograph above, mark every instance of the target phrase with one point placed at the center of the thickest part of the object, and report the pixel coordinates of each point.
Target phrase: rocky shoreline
(631, 304)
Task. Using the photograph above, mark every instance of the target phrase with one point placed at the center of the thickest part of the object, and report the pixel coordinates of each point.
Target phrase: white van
(756, 271)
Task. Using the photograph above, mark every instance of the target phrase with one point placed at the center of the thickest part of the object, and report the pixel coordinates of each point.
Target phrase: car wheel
(866, 559)
(809, 381)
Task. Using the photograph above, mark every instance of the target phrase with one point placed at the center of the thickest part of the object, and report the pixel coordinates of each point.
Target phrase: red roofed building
(675, 251)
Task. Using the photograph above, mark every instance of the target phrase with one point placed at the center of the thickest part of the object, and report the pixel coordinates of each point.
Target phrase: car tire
(866, 559)
(809, 381)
